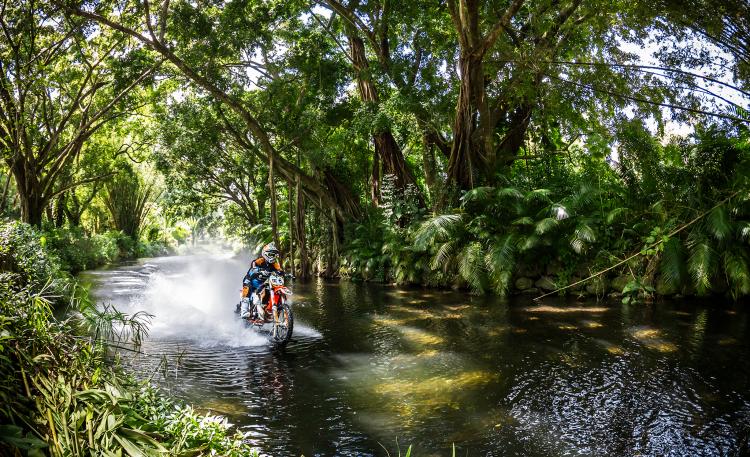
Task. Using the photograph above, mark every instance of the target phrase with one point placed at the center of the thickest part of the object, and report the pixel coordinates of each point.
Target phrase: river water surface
(372, 366)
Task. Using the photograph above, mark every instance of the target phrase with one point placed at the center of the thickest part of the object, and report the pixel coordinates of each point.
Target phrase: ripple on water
(434, 368)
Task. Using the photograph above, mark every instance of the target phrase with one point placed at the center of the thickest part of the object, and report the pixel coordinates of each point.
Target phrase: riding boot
(245, 309)
(258, 306)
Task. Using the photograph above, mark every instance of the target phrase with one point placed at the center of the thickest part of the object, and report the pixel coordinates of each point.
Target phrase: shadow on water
(371, 364)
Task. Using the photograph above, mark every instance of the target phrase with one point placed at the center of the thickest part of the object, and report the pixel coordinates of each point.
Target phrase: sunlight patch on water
(417, 399)
(415, 335)
(497, 331)
(646, 333)
(566, 309)
(610, 347)
(651, 338)
(592, 324)
(390, 322)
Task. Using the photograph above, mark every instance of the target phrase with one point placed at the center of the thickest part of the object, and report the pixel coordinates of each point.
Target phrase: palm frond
(510, 192)
(437, 228)
(526, 220)
(545, 225)
(501, 255)
(578, 245)
(737, 271)
(584, 196)
(478, 194)
(702, 265)
(444, 255)
(585, 232)
(616, 214)
(672, 264)
(743, 230)
(719, 224)
(529, 242)
(582, 236)
(538, 195)
(471, 267)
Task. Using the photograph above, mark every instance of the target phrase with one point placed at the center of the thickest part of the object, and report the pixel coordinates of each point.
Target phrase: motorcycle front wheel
(282, 329)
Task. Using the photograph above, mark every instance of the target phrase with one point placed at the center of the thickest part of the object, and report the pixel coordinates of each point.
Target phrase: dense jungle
(502, 153)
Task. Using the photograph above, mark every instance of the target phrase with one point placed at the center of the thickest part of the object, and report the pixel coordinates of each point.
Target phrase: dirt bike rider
(266, 263)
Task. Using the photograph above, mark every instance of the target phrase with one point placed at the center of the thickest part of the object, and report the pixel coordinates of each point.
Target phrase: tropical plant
(129, 200)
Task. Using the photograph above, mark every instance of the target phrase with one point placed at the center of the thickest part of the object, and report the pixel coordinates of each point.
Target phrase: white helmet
(270, 253)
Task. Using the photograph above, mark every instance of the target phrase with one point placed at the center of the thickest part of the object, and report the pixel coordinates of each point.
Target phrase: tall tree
(533, 31)
(200, 66)
(387, 151)
(59, 83)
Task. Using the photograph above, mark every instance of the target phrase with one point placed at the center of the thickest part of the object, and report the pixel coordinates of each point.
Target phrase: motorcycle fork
(274, 308)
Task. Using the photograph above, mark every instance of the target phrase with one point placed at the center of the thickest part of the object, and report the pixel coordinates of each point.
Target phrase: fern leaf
(510, 192)
(546, 225)
(437, 228)
(538, 195)
(719, 224)
(672, 264)
(702, 265)
(737, 271)
(616, 214)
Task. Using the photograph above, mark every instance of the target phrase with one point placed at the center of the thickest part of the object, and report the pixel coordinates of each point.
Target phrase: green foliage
(78, 251)
(24, 261)
(129, 200)
(57, 396)
(687, 238)
(635, 291)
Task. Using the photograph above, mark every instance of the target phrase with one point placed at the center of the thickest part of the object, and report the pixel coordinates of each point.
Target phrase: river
(373, 367)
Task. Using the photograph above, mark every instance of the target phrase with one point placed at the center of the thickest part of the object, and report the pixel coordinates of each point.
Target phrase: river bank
(62, 394)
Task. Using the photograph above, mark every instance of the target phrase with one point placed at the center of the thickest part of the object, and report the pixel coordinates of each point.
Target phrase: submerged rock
(546, 283)
(620, 282)
(524, 283)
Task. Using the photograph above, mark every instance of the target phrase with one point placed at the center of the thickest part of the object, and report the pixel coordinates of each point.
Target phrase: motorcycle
(277, 310)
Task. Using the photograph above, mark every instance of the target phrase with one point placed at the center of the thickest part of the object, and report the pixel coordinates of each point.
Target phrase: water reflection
(372, 364)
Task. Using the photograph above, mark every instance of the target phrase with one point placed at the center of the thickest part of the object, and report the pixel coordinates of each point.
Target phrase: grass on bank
(59, 395)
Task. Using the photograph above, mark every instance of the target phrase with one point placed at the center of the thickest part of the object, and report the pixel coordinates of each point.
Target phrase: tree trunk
(59, 212)
(29, 193)
(386, 148)
(31, 210)
(430, 168)
(513, 140)
(332, 267)
(290, 199)
(467, 154)
(304, 262)
(272, 192)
